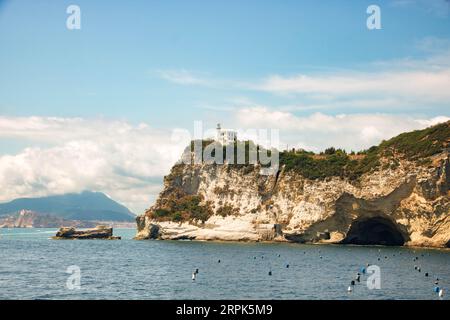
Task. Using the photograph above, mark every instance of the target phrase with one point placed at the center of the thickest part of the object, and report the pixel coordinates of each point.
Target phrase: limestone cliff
(393, 194)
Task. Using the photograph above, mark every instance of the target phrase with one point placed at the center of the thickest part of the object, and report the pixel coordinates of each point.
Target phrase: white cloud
(434, 45)
(379, 85)
(401, 84)
(318, 131)
(70, 155)
(423, 86)
(440, 8)
(183, 77)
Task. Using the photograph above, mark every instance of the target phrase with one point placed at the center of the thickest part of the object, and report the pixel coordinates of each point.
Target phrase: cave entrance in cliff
(374, 231)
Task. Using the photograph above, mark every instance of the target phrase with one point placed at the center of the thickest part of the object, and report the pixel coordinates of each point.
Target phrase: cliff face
(403, 200)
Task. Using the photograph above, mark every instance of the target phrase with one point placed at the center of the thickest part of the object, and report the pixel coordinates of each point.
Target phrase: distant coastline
(30, 219)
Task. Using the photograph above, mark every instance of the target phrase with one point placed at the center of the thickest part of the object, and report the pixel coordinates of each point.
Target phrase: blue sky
(110, 67)
(288, 64)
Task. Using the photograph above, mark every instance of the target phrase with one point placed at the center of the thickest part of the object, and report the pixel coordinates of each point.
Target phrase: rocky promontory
(396, 193)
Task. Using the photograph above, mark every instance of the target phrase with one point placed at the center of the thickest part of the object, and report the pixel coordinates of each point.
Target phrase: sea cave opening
(374, 231)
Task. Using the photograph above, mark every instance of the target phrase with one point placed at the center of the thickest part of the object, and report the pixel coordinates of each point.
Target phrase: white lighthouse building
(226, 136)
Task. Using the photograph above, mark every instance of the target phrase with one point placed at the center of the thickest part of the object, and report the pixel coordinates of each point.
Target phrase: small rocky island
(99, 232)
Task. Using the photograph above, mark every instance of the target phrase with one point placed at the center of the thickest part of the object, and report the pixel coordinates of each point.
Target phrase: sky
(98, 108)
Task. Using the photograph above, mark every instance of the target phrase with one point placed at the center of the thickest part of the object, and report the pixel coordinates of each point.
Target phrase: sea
(35, 267)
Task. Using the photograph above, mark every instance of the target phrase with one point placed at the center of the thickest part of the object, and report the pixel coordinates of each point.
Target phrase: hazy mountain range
(86, 206)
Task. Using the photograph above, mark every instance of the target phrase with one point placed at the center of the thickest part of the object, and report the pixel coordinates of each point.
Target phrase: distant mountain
(30, 219)
(72, 206)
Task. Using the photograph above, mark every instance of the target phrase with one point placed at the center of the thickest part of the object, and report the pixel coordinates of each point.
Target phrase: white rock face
(413, 199)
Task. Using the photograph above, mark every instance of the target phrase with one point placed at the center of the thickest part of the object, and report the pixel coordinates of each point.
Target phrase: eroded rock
(99, 232)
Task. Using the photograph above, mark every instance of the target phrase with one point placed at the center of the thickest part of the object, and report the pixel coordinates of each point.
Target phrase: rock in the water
(100, 232)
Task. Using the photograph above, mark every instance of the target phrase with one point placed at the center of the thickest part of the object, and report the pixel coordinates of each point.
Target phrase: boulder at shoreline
(100, 232)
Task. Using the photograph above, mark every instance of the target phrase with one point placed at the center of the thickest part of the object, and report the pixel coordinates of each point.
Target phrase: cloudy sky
(102, 108)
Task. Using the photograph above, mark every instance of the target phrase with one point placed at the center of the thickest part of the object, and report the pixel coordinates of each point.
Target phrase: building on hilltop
(225, 136)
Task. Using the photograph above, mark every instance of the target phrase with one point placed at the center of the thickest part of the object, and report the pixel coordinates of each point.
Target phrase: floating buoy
(378, 259)
(426, 274)
(320, 257)
(441, 293)
(279, 255)
(196, 271)
(415, 267)
(270, 273)
(218, 261)
(358, 278)
(349, 289)
(254, 258)
(287, 266)
(437, 289)
(352, 282)
(418, 269)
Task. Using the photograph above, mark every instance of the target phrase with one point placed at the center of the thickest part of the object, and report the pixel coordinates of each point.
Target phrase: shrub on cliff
(226, 211)
(184, 208)
(315, 168)
(420, 144)
(416, 146)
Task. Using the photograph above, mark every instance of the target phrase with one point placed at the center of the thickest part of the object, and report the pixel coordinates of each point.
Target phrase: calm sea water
(34, 267)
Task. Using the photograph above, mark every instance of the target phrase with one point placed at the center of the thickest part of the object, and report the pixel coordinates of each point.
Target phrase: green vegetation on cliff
(417, 145)
(182, 208)
(420, 144)
(338, 164)
(414, 146)
(249, 147)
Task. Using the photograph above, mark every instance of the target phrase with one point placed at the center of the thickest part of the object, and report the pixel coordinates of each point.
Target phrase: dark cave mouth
(374, 231)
